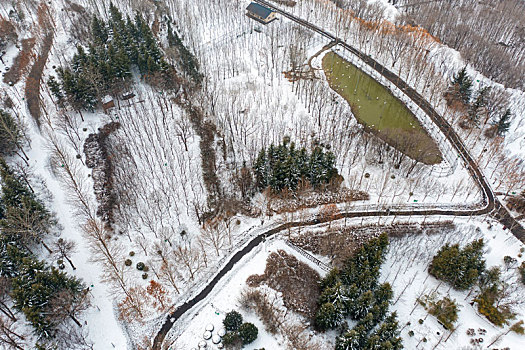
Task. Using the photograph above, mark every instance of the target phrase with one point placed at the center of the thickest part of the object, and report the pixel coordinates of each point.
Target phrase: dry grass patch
(297, 282)
(20, 62)
(340, 243)
(286, 202)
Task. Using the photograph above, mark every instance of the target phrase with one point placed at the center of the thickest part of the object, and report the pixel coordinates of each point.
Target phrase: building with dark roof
(260, 13)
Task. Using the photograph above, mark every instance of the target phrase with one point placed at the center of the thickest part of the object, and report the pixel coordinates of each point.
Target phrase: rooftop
(259, 10)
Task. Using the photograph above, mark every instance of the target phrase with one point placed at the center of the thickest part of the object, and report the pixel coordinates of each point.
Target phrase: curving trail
(490, 204)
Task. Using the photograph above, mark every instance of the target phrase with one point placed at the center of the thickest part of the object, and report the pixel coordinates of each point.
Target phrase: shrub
(487, 305)
(459, 267)
(248, 333)
(411, 333)
(232, 340)
(232, 321)
(144, 276)
(132, 253)
(446, 311)
(140, 266)
(518, 327)
(128, 262)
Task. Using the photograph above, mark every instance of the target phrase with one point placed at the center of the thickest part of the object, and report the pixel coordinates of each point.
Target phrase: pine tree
(10, 134)
(54, 86)
(463, 83)
(503, 123)
(460, 267)
(248, 333)
(328, 317)
(354, 339)
(386, 336)
(99, 31)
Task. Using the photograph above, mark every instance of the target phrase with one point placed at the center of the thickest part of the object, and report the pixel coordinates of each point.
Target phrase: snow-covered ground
(254, 105)
(405, 268)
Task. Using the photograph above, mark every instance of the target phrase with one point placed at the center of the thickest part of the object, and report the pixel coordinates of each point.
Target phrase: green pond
(379, 111)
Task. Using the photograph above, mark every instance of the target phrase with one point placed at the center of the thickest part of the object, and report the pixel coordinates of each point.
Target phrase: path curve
(491, 205)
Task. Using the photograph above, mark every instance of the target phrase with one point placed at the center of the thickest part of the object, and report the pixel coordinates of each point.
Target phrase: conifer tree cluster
(459, 267)
(11, 134)
(354, 292)
(476, 103)
(285, 166)
(187, 60)
(44, 294)
(115, 47)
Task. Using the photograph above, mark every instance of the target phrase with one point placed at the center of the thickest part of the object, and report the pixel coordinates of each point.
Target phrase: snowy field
(405, 268)
(253, 105)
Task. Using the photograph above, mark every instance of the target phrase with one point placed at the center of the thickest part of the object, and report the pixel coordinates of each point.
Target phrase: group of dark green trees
(237, 331)
(11, 135)
(105, 68)
(457, 266)
(476, 102)
(463, 268)
(354, 292)
(284, 166)
(45, 295)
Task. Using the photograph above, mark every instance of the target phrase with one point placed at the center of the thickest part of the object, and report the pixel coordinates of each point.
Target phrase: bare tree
(62, 249)
(10, 336)
(5, 287)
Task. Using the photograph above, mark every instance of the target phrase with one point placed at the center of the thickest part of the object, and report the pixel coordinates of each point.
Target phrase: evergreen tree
(328, 317)
(232, 321)
(248, 333)
(10, 134)
(33, 288)
(386, 336)
(354, 339)
(503, 123)
(283, 166)
(99, 31)
(460, 267)
(260, 168)
(363, 305)
(463, 83)
(54, 86)
(479, 103)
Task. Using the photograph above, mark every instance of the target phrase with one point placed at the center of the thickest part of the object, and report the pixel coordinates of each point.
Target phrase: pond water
(379, 111)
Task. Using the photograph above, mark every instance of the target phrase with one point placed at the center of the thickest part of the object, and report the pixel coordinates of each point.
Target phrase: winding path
(490, 204)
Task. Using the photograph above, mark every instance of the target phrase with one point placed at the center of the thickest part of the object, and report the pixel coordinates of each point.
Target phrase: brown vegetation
(32, 90)
(97, 158)
(517, 203)
(284, 202)
(296, 335)
(340, 243)
(297, 282)
(7, 32)
(20, 62)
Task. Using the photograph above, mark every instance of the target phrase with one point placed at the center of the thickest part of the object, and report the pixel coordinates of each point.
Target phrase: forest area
(145, 144)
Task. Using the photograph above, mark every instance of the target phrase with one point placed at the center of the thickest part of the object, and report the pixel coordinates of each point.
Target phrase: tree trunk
(70, 262)
(7, 311)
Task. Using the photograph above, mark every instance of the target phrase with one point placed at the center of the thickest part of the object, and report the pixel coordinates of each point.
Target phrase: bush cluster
(237, 331)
